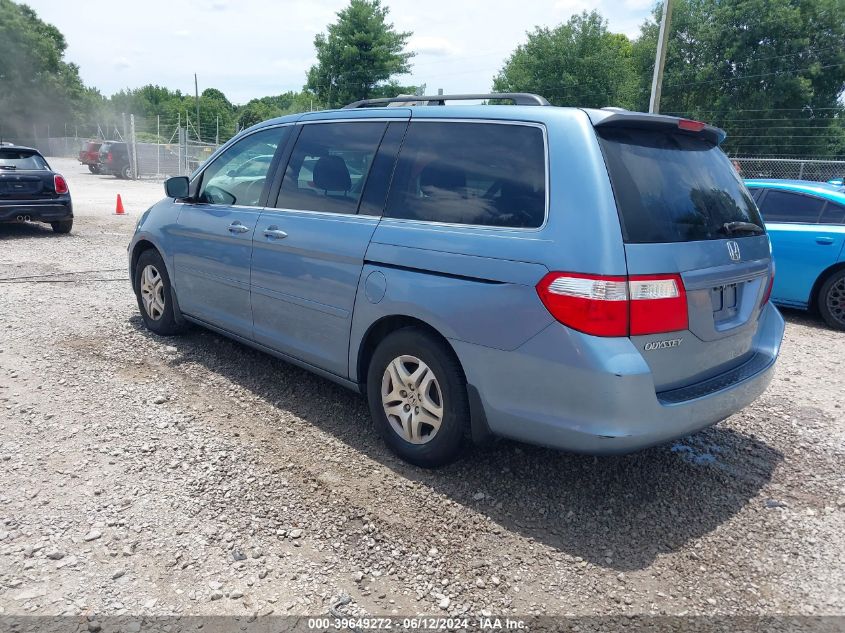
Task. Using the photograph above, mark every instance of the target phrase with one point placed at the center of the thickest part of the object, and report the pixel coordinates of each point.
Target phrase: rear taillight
(60, 184)
(768, 294)
(108, 157)
(617, 305)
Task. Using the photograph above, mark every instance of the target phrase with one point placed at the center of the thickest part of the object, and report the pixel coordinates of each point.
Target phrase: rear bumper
(37, 210)
(592, 395)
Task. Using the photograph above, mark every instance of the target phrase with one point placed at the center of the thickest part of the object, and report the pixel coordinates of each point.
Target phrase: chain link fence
(789, 168)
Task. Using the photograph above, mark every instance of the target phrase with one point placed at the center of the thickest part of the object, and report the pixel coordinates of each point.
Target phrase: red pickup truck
(90, 155)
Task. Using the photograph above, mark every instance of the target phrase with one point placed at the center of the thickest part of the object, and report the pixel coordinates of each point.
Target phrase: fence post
(801, 171)
(158, 145)
(182, 152)
(133, 157)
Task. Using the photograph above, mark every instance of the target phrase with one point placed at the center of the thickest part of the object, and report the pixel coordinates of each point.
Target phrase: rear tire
(154, 294)
(94, 169)
(126, 173)
(831, 300)
(416, 376)
(62, 226)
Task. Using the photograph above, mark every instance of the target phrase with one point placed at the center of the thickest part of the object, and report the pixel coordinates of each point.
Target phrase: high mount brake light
(616, 305)
(690, 126)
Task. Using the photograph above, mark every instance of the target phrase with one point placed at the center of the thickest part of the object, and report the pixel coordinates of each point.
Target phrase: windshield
(672, 187)
(18, 159)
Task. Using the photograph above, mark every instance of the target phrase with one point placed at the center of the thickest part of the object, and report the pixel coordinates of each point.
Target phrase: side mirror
(176, 187)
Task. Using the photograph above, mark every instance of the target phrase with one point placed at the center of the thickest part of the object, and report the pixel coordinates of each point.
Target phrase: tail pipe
(23, 218)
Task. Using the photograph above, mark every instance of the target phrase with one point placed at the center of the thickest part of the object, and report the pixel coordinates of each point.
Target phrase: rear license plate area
(724, 300)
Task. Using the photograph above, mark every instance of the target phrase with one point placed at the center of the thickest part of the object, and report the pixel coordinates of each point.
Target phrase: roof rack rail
(518, 98)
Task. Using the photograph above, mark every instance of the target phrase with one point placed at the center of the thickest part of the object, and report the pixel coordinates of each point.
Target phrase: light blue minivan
(592, 280)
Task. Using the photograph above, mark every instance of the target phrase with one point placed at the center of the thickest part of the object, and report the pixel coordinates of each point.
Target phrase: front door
(213, 239)
(308, 251)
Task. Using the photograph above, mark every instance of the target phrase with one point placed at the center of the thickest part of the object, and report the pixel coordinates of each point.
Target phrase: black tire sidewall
(444, 447)
(822, 300)
(166, 325)
(62, 226)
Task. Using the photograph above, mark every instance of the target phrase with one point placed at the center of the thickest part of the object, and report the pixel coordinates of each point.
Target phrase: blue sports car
(806, 225)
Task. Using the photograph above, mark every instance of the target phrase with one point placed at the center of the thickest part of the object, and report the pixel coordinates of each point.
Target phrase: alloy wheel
(835, 301)
(412, 399)
(152, 292)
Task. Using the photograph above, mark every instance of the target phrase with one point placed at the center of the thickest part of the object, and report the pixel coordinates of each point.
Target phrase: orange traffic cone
(119, 210)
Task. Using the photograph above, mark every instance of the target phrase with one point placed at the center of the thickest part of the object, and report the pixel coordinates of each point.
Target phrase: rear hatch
(685, 212)
(24, 175)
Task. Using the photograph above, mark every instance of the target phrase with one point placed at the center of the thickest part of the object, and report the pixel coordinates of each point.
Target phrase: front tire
(154, 294)
(418, 398)
(62, 226)
(831, 300)
(94, 169)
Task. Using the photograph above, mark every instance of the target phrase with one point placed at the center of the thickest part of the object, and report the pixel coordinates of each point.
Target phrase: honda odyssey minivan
(592, 280)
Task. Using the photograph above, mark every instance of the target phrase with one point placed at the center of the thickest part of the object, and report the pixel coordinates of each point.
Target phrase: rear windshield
(17, 159)
(673, 187)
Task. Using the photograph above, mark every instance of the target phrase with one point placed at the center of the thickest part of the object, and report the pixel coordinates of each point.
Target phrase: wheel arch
(823, 277)
(141, 246)
(383, 327)
(478, 428)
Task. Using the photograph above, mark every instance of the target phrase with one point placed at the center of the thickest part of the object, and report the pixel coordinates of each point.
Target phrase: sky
(255, 48)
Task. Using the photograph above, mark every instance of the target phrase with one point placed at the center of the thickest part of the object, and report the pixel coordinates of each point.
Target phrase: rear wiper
(730, 228)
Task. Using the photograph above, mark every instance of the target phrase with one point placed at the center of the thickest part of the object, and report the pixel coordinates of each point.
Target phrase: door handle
(822, 239)
(274, 233)
(237, 227)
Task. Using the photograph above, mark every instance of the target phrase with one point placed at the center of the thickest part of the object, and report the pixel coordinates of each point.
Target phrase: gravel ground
(192, 475)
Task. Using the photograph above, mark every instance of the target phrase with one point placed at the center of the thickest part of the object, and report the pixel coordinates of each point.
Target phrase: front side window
(783, 206)
(484, 174)
(239, 174)
(329, 165)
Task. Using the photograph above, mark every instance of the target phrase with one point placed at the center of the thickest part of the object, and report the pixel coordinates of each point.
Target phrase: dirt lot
(193, 475)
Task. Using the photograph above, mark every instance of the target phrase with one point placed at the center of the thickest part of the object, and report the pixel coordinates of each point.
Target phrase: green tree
(37, 87)
(579, 63)
(291, 102)
(360, 52)
(771, 72)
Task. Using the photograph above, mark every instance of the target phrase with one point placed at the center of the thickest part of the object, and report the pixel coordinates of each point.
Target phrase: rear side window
(783, 206)
(329, 165)
(833, 214)
(484, 174)
(673, 187)
(11, 159)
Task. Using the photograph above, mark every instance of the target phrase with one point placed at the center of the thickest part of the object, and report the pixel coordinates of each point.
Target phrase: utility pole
(197, 98)
(217, 134)
(660, 58)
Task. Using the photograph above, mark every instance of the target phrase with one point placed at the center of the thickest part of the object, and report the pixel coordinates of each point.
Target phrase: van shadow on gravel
(616, 512)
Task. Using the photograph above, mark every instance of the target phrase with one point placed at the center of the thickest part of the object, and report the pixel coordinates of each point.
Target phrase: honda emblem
(733, 251)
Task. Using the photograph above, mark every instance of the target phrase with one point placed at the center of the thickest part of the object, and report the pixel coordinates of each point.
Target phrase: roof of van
(598, 117)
